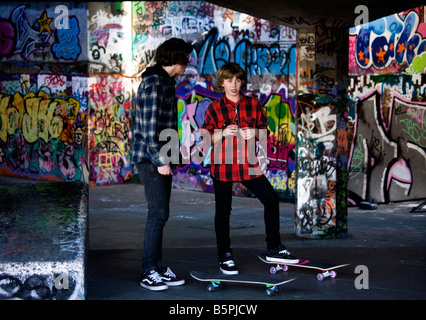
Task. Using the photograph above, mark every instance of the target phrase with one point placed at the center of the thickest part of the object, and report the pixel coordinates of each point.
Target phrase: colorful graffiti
(278, 160)
(388, 156)
(43, 136)
(266, 51)
(36, 37)
(43, 130)
(387, 109)
(321, 162)
(390, 44)
(110, 105)
(30, 34)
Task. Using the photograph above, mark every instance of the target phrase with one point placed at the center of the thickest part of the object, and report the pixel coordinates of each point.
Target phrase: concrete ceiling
(308, 13)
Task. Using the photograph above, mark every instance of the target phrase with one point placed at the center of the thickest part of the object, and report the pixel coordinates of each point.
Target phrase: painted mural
(266, 51)
(43, 92)
(70, 72)
(387, 112)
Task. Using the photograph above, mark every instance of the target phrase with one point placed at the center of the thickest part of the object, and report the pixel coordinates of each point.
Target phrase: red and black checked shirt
(232, 158)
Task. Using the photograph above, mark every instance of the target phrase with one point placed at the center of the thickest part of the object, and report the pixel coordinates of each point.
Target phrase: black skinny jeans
(264, 191)
(157, 192)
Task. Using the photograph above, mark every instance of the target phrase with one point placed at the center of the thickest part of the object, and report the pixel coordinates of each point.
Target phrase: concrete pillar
(321, 136)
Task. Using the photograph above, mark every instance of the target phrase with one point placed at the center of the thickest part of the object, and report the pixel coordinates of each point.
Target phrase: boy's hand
(230, 130)
(165, 170)
(247, 133)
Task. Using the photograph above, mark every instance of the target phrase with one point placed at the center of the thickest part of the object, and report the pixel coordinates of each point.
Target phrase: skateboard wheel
(272, 291)
(273, 270)
(285, 267)
(333, 274)
(320, 277)
(214, 287)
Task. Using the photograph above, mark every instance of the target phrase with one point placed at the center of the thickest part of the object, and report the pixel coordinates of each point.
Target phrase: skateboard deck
(216, 280)
(327, 269)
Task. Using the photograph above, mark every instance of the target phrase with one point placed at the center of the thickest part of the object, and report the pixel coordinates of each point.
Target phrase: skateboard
(327, 269)
(216, 280)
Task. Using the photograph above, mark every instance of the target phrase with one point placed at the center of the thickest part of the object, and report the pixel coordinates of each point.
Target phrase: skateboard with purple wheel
(326, 269)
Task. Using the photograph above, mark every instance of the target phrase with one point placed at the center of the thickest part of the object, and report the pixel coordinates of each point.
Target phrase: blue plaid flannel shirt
(156, 109)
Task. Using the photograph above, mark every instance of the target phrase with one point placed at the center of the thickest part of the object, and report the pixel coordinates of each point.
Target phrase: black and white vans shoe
(227, 264)
(169, 278)
(281, 256)
(153, 281)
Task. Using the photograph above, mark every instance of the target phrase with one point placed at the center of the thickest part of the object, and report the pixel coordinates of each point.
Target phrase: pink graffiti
(400, 172)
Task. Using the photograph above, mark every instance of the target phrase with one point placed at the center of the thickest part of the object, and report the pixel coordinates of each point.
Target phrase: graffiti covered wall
(265, 51)
(387, 114)
(43, 91)
(87, 58)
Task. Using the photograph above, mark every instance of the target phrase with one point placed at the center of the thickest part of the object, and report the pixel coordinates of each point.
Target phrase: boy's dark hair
(173, 51)
(228, 71)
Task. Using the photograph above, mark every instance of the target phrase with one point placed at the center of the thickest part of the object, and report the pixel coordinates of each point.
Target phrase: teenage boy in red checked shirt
(234, 122)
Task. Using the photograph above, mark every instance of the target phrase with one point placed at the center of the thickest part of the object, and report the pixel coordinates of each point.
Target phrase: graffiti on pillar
(42, 136)
(110, 129)
(321, 154)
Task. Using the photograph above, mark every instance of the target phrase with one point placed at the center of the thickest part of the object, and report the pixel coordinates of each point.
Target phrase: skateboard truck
(320, 276)
(326, 269)
(271, 290)
(216, 280)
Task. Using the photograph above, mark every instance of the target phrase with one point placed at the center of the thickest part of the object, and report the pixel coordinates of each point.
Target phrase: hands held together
(246, 133)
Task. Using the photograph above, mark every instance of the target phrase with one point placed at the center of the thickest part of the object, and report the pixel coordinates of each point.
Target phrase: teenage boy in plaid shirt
(235, 122)
(156, 111)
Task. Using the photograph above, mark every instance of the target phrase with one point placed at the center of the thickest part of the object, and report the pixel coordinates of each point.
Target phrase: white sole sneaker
(154, 287)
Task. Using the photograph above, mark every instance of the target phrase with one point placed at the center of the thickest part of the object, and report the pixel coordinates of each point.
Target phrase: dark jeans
(263, 190)
(157, 192)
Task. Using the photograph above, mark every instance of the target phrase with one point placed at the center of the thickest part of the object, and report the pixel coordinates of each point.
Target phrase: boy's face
(232, 87)
(180, 69)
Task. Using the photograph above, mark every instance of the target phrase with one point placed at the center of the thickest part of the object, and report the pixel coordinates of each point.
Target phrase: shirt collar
(225, 100)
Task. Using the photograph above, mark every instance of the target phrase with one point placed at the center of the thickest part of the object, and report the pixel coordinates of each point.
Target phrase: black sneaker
(227, 264)
(152, 281)
(281, 256)
(169, 278)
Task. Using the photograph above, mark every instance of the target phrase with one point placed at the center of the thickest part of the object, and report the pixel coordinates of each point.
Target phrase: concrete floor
(388, 244)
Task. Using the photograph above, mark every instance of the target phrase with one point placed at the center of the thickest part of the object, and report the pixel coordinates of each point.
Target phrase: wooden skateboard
(216, 280)
(327, 269)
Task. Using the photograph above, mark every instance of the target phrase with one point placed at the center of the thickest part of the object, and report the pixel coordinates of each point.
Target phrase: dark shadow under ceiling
(309, 13)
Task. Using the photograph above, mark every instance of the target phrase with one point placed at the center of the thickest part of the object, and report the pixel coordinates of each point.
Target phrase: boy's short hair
(173, 51)
(228, 71)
